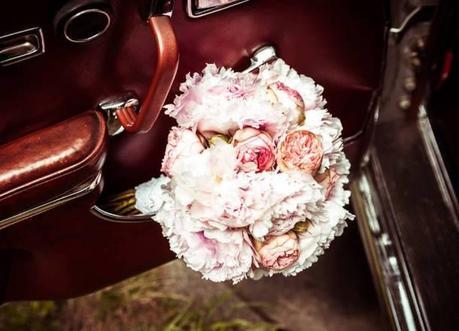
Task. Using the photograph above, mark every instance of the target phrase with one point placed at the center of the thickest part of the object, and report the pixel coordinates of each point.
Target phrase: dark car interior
(82, 86)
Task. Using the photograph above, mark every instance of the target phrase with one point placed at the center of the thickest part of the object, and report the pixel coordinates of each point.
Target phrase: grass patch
(142, 303)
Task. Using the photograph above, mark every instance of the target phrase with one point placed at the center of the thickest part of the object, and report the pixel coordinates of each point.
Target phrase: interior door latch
(21, 45)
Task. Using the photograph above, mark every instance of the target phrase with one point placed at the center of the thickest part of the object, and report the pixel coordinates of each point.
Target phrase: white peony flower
(181, 143)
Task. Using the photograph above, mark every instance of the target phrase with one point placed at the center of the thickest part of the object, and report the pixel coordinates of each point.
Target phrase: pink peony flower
(302, 151)
(278, 252)
(279, 92)
(327, 180)
(254, 150)
(180, 143)
(218, 255)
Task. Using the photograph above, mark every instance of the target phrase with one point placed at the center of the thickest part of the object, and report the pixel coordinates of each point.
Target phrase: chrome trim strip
(421, 13)
(376, 216)
(406, 21)
(208, 11)
(94, 36)
(115, 218)
(73, 194)
(438, 165)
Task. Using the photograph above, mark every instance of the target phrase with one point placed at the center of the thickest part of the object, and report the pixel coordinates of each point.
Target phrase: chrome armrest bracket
(71, 195)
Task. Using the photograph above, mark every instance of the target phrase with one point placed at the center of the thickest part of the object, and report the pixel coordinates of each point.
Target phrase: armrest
(47, 164)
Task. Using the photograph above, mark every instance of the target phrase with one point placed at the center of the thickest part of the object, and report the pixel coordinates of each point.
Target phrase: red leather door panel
(68, 251)
(40, 166)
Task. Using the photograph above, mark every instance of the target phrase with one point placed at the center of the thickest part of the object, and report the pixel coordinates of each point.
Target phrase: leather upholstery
(68, 251)
(39, 166)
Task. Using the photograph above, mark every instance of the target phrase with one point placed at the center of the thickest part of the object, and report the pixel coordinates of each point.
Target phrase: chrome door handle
(262, 55)
(21, 45)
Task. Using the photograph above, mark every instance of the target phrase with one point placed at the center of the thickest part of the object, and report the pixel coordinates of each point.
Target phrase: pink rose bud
(278, 252)
(279, 92)
(254, 150)
(180, 143)
(301, 151)
(327, 180)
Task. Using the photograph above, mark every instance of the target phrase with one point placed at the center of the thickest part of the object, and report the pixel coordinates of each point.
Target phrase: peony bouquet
(253, 174)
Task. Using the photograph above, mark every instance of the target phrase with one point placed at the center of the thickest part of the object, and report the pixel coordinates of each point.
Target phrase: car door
(65, 67)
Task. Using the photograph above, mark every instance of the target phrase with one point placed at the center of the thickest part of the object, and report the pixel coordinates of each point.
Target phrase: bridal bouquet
(253, 174)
